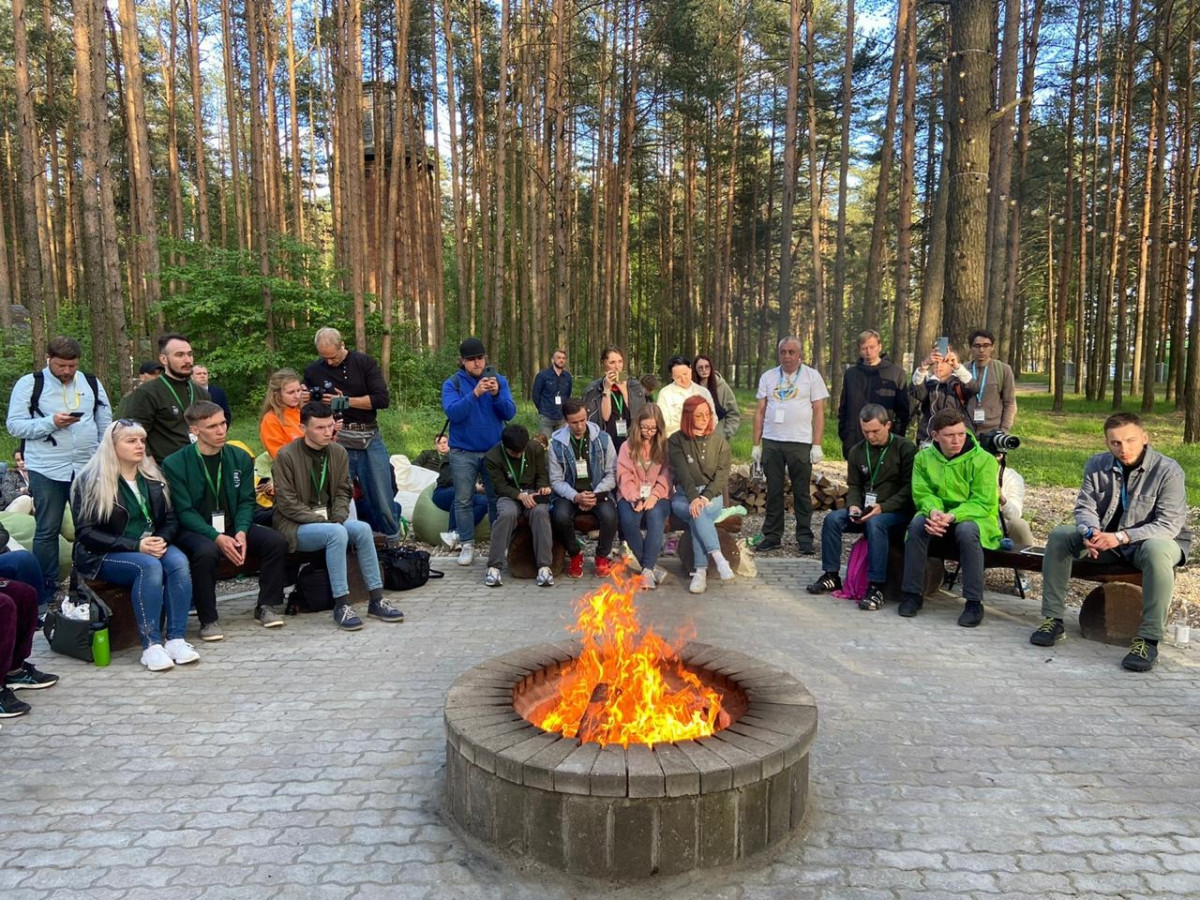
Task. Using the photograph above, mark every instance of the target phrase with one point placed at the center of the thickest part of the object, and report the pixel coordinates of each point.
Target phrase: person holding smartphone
(941, 382)
(878, 504)
(613, 400)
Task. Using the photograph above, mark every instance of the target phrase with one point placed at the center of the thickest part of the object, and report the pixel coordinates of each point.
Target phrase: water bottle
(101, 651)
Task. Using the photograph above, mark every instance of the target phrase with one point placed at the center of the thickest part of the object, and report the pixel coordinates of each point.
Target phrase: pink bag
(855, 585)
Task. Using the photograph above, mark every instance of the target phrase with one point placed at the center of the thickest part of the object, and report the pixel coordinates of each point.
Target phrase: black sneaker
(1141, 657)
(1049, 633)
(346, 618)
(10, 706)
(874, 599)
(829, 581)
(30, 679)
(805, 547)
(910, 605)
(972, 614)
(382, 609)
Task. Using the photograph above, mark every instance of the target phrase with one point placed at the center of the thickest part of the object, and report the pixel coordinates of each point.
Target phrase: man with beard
(159, 405)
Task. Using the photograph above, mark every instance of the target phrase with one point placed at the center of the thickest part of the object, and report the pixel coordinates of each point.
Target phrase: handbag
(355, 439)
(406, 568)
(856, 585)
(312, 593)
(73, 637)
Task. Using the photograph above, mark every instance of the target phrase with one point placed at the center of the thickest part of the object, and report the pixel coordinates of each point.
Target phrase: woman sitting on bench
(124, 526)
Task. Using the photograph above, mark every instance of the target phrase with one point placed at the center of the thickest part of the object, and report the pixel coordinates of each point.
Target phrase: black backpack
(312, 592)
(406, 568)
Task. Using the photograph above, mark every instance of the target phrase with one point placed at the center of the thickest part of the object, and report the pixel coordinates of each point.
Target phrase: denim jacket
(1155, 502)
(602, 462)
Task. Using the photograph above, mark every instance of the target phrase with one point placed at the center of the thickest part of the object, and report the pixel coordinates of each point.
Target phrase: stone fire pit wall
(628, 813)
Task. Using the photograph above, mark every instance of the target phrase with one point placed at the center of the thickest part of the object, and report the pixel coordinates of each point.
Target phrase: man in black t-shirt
(354, 386)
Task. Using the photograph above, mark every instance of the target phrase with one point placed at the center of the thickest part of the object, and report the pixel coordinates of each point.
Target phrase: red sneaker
(575, 570)
(603, 567)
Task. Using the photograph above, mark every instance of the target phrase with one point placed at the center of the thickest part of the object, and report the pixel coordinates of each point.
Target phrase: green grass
(1054, 446)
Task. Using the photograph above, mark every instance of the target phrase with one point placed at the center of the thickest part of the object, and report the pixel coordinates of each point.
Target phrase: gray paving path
(308, 763)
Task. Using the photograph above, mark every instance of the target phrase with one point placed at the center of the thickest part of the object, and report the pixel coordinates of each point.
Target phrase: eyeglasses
(126, 423)
(981, 345)
(648, 429)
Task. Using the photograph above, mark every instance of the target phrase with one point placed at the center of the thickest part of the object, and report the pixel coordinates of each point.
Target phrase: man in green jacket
(955, 490)
(212, 490)
(521, 477)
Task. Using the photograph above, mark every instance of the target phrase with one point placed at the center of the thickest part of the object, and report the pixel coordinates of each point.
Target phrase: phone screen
(943, 346)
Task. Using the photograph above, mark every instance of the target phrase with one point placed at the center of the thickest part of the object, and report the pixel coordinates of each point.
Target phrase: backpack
(312, 592)
(405, 568)
(855, 586)
(35, 397)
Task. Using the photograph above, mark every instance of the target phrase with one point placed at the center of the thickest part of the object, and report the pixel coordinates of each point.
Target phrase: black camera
(999, 442)
(315, 395)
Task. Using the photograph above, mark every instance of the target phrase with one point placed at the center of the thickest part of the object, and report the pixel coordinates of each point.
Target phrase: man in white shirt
(789, 424)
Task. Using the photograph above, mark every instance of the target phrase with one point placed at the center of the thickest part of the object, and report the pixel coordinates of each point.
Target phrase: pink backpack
(855, 585)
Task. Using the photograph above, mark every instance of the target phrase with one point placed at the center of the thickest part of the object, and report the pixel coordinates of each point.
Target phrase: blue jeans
(22, 566)
(645, 547)
(50, 500)
(703, 529)
(443, 498)
(373, 470)
(334, 539)
(157, 585)
(877, 529)
(466, 467)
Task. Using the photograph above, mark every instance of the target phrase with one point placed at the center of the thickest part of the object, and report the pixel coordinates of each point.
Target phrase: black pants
(963, 536)
(787, 459)
(562, 518)
(265, 550)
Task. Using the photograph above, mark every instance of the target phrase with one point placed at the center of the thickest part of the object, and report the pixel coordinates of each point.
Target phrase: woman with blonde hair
(700, 461)
(280, 423)
(644, 490)
(124, 526)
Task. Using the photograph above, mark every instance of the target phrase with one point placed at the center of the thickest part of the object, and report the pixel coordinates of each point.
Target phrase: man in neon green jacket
(955, 490)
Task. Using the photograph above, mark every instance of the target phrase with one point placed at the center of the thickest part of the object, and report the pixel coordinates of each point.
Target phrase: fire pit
(547, 753)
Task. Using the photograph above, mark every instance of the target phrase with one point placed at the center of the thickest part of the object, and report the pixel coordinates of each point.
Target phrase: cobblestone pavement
(308, 763)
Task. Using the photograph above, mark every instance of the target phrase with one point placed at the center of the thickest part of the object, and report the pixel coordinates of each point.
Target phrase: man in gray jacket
(1132, 509)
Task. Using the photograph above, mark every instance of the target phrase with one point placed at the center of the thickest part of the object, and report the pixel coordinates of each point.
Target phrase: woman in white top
(672, 397)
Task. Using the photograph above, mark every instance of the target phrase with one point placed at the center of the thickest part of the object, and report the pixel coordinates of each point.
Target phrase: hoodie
(475, 422)
(967, 486)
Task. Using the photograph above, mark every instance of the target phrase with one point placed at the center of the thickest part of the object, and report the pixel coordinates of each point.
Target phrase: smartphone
(75, 415)
(943, 346)
(489, 372)
(340, 404)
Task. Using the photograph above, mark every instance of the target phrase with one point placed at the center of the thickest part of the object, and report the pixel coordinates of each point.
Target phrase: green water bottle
(101, 651)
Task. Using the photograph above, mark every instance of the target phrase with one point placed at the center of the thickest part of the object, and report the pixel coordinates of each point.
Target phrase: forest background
(666, 175)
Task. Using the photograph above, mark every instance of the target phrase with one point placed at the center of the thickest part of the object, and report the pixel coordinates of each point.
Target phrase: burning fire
(629, 685)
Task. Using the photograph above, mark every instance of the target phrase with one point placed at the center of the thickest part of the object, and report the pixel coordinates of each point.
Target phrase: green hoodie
(967, 486)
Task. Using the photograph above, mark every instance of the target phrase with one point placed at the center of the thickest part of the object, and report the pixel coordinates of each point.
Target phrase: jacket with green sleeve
(966, 486)
(193, 498)
(533, 470)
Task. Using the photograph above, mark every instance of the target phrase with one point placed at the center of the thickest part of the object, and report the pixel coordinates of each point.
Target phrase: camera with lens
(999, 442)
(315, 394)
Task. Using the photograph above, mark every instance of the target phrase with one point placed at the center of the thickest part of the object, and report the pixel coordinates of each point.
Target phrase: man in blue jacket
(60, 413)
(477, 402)
(551, 389)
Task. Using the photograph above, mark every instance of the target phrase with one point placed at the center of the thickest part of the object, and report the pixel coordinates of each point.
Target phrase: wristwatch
(1123, 537)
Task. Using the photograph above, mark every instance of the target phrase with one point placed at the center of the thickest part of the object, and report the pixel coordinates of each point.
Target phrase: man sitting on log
(1131, 509)
(878, 503)
(521, 478)
(955, 491)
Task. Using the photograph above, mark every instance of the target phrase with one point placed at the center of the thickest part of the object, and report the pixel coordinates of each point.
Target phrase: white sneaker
(156, 659)
(450, 540)
(660, 574)
(492, 578)
(724, 570)
(181, 652)
(699, 581)
(649, 582)
(467, 556)
(545, 578)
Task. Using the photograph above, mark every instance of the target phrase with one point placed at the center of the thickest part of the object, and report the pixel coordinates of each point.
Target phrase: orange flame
(628, 685)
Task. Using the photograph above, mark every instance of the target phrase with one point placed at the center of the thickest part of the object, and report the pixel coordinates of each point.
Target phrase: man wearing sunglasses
(994, 406)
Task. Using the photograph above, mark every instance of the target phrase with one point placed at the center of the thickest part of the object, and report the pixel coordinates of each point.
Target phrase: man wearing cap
(354, 387)
(477, 402)
(159, 404)
(149, 371)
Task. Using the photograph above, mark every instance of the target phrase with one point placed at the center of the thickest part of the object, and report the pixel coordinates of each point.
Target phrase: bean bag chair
(429, 522)
(20, 529)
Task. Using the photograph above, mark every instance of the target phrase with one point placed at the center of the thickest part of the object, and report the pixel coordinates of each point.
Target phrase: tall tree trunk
(32, 170)
(837, 341)
(1064, 264)
(262, 225)
(908, 163)
(198, 145)
(1004, 129)
(816, 194)
(789, 171)
(1154, 242)
(233, 120)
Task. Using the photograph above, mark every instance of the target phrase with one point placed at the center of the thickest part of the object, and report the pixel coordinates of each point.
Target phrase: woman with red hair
(700, 461)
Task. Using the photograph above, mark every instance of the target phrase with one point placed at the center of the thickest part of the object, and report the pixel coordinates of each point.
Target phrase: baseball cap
(472, 346)
(150, 368)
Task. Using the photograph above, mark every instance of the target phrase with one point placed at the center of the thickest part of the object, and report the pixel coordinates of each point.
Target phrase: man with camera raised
(878, 503)
(994, 405)
(354, 387)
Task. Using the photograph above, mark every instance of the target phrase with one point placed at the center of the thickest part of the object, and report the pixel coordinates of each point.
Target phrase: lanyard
(67, 396)
(320, 486)
(142, 502)
(618, 402)
(983, 380)
(580, 448)
(191, 394)
(786, 388)
(511, 471)
(878, 462)
(215, 488)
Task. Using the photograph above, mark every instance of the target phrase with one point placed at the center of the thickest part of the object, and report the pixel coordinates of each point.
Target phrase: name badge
(218, 522)
(558, 399)
(779, 414)
(321, 512)
(644, 492)
(622, 428)
(978, 416)
(581, 468)
(871, 499)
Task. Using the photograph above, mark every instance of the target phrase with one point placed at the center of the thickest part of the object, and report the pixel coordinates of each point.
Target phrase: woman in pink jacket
(644, 491)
